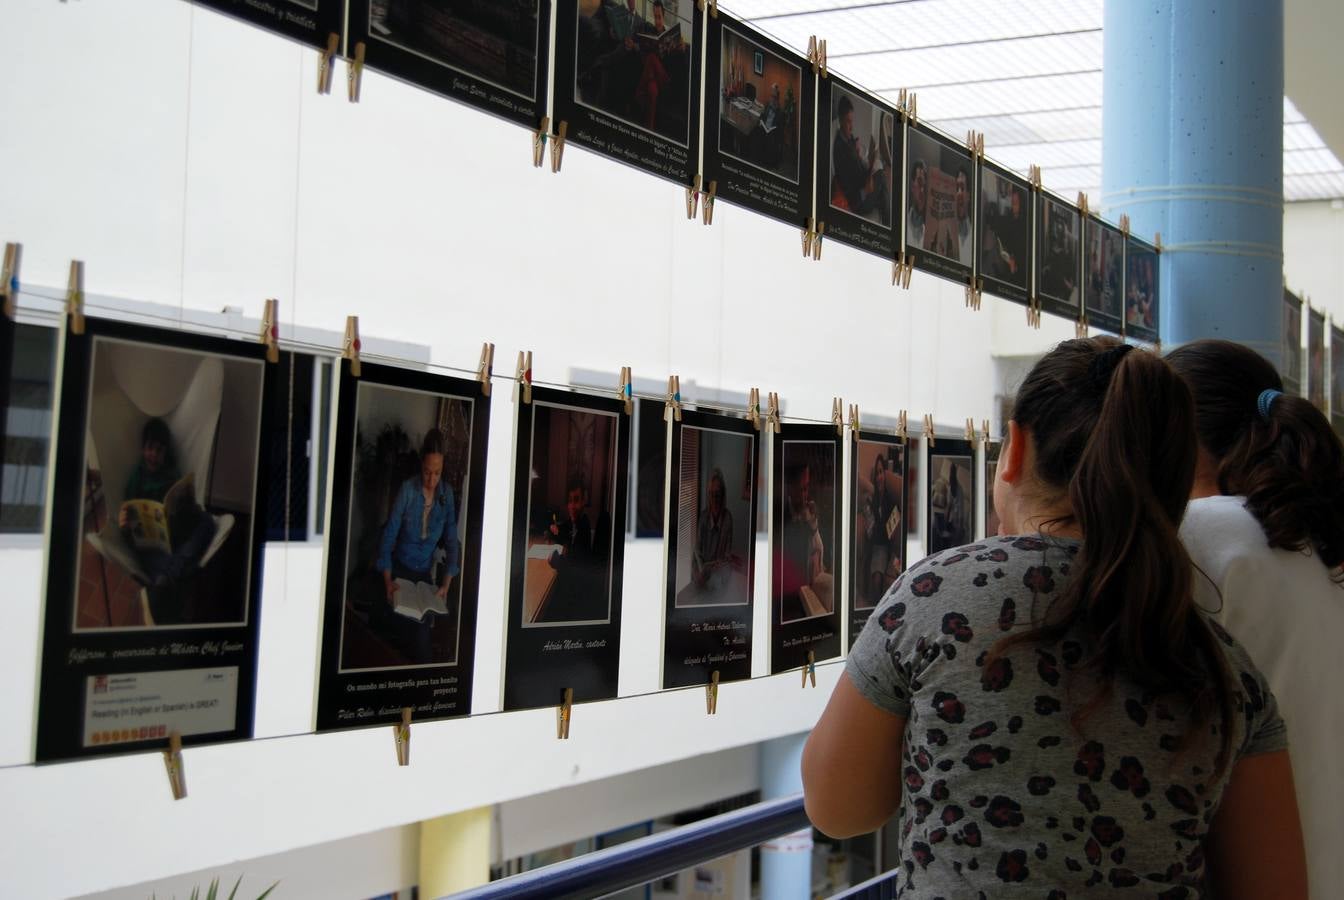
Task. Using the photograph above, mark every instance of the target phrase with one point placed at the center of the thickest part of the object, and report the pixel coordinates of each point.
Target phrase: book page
(415, 599)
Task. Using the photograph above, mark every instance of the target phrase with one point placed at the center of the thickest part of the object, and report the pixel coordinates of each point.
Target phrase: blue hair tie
(1266, 400)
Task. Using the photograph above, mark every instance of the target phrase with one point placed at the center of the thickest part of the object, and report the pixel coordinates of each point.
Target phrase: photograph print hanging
(1316, 358)
(710, 550)
(1337, 379)
(156, 525)
(1291, 365)
(939, 213)
(628, 82)
(856, 153)
(571, 477)
(951, 498)
(992, 521)
(488, 54)
(1104, 275)
(1142, 306)
(1004, 233)
(760, 106)
(806, 571)
(307, 21)
(403, 547)
(1059, 257)
(877, 506)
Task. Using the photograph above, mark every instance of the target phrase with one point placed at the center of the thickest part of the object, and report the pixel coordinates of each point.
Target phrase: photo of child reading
(407, 509)
(715, 528)
(803, 551)
(169, 488)
(567, 579)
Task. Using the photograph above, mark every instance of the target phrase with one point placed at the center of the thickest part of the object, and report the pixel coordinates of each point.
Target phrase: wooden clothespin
(902, 269)
(754, 408)
(172, 762)
(627, 390)
(816, 55)
(1082, 203)
(772, 412)
(326, 57)
(711, 5)
(810, 669)
(1034, 312)
(672, 411)
(539, 141)
(1124, 224)
(354, 75)
(270, 330)
(984, 433)
(1080, 326)
(486, 368)
(564, 713)
(693, 197)
(912, 111)
(974, 293)
(825, 73)
(352, 344)
(74, 297)
(707, 203)
(712, 693)
(523, 375)
(808, 234)
(928, 429)
(903, 427)
(9, 280)
(816, 240)
(1157, 242)
(558, 147)
(854, 420)
(838, 416)
(970, 431)
(401, 736)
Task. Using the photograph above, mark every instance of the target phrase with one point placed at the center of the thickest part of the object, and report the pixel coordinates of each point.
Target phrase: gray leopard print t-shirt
(1001, 796)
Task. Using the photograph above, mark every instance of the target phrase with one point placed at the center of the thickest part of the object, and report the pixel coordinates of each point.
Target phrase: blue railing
(641, 861)
(880, 887)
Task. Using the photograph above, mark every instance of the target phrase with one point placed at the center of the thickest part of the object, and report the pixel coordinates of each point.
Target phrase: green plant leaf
(212, 893)
(235, 887)
(266, 893)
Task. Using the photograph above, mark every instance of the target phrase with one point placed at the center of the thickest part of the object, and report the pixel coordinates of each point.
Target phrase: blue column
(786, 863)
(1192, 147)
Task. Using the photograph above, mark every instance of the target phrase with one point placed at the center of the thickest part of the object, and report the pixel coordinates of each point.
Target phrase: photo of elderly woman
(714, 515)
(407, 509)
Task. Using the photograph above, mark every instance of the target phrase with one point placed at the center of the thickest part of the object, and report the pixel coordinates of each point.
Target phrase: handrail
(656, 856)
(879, 887)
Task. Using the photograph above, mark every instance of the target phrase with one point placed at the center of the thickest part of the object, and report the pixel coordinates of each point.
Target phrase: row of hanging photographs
(160, 491)
(623, 79)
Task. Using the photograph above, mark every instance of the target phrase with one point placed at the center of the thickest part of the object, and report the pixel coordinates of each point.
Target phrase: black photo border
(60, 704)
(456, 84)
(601, 132)
(1096, 318)
(924, 260)
(678, 637)
(729, 185)
(859, 617)
(1316, 317)
(334, 686)
(1053, 305)
(950, 447)
(842, 225)
(1334, 385)
(992, 451)
(791, 641)
(317, 21)
(1292, 386)
(992, 285)
(530, 679)
(1139, 332)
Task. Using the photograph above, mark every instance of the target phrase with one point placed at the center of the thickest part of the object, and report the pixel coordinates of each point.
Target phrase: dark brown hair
(1114, 436)
(1289, 465)
(433, 443)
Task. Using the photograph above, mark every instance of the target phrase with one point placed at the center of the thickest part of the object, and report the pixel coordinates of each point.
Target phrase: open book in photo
(544, 551)
(415, 600)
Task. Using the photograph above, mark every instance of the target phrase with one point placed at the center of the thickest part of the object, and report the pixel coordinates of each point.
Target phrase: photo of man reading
(861, 158)
(758, 106)
(567, 578)
(713, 553)
(169, 488)
(634, 62)
(951, 507)
(879, 549)
(1059, 252)
(407, 510)
(1003, 229)
(803, 562)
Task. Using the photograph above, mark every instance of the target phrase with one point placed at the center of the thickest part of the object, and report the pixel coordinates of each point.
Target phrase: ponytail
(1112, 430)
(1286, 461)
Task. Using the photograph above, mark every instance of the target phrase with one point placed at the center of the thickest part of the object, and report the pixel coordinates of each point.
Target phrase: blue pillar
(1192, 147)
(786, 863)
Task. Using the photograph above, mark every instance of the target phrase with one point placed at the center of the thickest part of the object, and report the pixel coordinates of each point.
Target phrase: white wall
(1313, 253)
(187, 159)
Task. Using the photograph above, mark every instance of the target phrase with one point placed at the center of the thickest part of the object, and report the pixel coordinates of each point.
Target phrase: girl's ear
(1012, 456)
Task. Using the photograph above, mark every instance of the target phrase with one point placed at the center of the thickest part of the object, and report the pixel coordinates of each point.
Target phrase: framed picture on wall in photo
(710, 550)
(308, 21)
(1291, 365)
(760, 107)
(992, 521)
(571, 474)
(1142, 290)
(806, 562)
(877, 507)
(952, 493)
(858, 155)
(1103, 275)
(1058, 256)
(493, 56)
(156, 527)
(627, 78)
(1003, 233)
(403, 547)
(939, 204)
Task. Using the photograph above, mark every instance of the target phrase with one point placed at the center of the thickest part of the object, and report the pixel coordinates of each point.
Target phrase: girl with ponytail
(1266, 526)
(1047, 712)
